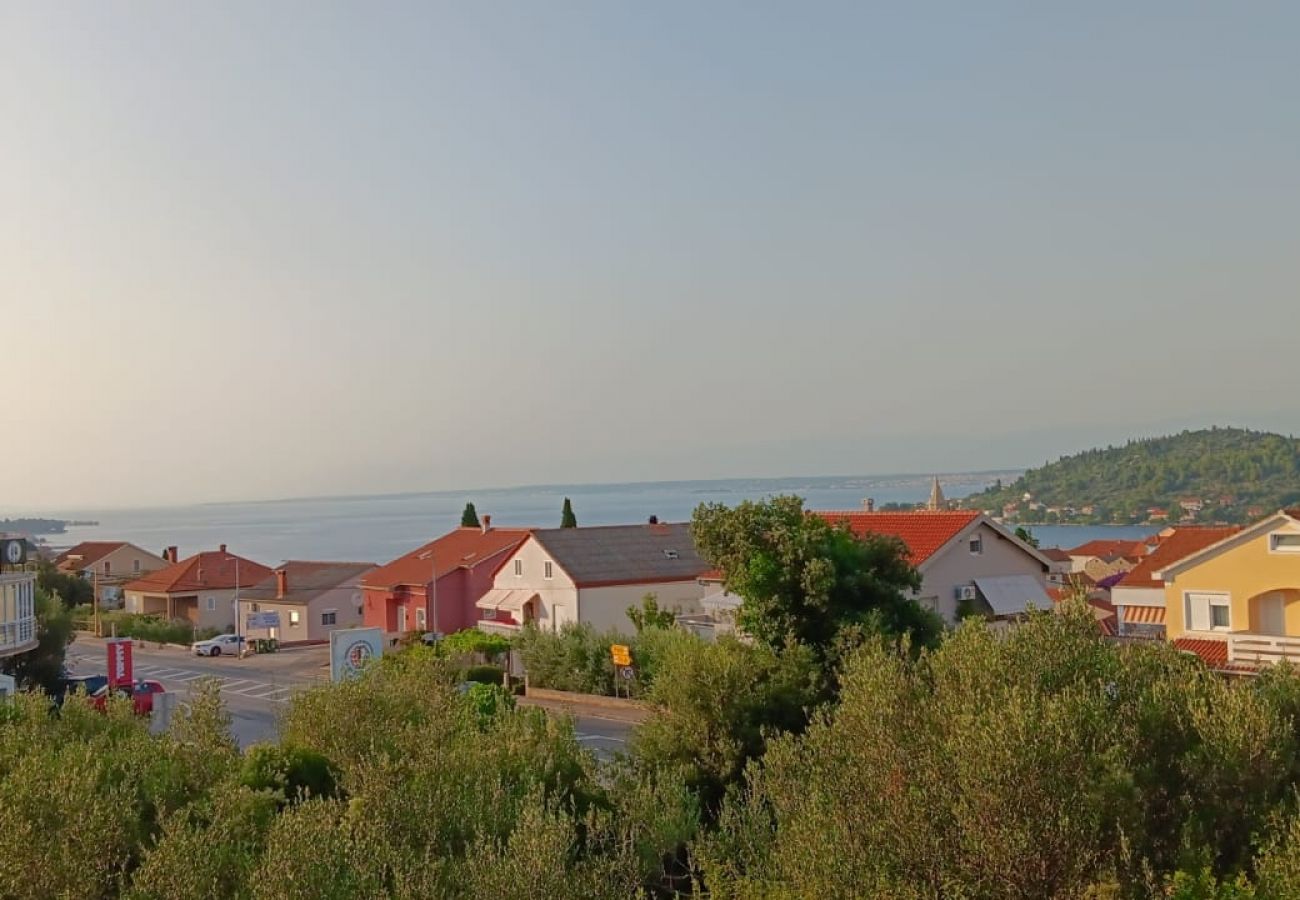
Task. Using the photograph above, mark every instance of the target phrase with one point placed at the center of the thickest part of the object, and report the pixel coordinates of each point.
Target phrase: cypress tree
(567, 518)
(469, 518)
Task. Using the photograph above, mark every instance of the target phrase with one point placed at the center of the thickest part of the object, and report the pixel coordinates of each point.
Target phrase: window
(1284, 543)
(293, 617)
(212, 604)
(519, 568)
(107, 567)
(976, 545)
(254, 607)
(489, 613)
(546, 569)
(419, 618)
(135, 566)
(1207, 612)
(330, 617)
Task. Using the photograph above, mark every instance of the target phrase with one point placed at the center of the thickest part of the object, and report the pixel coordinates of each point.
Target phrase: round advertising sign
(356, 656)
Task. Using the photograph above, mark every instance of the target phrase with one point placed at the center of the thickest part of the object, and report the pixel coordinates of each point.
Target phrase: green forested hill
(1232, 471)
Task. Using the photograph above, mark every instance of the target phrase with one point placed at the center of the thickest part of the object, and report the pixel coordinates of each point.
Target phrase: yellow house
(1242, 591)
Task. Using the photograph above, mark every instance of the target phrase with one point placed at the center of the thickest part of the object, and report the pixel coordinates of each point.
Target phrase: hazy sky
(279, 249)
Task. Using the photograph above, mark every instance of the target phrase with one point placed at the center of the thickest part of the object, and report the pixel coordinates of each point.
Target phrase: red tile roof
(210, 570)
(1110, 548)
(1215, 653)
(1179, 545)
(89, 553)
(464, 548)
(923, 532)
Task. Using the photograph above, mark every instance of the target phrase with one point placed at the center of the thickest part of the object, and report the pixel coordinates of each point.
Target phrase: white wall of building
(606, 607)
(955, 566)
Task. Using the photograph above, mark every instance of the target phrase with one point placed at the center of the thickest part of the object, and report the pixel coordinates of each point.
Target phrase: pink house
(435, 587)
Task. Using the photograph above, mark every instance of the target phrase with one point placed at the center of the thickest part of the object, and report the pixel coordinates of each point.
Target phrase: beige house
(592, 575)
(109, 565)
(310, 598)
(968, 563)
(200, 589)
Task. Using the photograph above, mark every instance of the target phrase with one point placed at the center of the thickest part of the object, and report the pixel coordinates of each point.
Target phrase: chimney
(223, 548)
(171, 555)
(654, 520)
(487, 524)
(869, 504)
(281, 583)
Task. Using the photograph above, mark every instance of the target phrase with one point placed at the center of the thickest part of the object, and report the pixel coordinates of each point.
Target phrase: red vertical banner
(119, 663)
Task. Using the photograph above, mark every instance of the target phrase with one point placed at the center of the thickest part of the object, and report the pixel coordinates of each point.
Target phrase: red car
(141, 692)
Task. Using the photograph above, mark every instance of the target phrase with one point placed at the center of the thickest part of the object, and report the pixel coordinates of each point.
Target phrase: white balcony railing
(1244, 647)
(17, 612)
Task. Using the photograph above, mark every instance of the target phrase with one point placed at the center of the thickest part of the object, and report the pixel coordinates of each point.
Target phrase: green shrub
(485, 674)
(295, 773)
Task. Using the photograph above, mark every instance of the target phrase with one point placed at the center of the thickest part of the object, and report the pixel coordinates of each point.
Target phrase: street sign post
(621, 654)
(120, 670)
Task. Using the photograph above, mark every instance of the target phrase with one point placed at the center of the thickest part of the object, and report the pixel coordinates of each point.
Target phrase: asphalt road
(256, 689)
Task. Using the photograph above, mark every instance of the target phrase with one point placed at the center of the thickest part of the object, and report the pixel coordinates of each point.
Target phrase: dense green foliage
(154, 629)
(469, 517)
(808, 582)
(42, 666)
(1248, 469)
(73, 590)
(567, 518)
(471, 641)
(395, 785)
(1046, 763)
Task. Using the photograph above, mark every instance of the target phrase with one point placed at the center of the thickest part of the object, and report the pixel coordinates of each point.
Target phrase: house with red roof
(201, 589)
(1139, 596)
(435, 587)
(108, 565)
(967, 561)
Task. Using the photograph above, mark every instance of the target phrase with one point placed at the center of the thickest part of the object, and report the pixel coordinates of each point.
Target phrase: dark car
(70, 684)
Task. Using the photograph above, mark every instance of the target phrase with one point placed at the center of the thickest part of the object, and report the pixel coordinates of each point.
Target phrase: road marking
(599, 737)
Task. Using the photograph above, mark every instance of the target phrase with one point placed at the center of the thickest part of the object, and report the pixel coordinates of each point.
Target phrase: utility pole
(94, 599)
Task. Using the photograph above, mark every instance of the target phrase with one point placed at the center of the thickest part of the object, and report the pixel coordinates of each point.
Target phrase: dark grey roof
(623, 554)
(306, 580)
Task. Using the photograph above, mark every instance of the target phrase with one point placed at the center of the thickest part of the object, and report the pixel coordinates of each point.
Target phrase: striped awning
(505, 600)
(1143, 615)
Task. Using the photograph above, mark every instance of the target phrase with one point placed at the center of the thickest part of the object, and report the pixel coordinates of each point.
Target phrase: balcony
(1257, 649)
(17, 612)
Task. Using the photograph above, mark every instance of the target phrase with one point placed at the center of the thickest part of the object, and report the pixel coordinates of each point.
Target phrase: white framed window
(1284, 542)
(519, 568)
(212, 604)
(489, 614)
(420, 618)
(547, 570)
(1206, 611)
(329, 617)
(135, 566)
(976, 545)
(294, 618)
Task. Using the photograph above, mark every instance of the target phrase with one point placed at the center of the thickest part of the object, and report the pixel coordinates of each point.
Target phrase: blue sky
(259, 250)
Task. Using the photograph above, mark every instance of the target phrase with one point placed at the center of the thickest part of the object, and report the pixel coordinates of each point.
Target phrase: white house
(592, 575)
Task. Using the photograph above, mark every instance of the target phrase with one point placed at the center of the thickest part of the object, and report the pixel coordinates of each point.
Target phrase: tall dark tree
(469, 518)
(567, 518)
(1026, 535)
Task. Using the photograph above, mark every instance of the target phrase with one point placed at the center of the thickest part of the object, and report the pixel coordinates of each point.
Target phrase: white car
(222, 643)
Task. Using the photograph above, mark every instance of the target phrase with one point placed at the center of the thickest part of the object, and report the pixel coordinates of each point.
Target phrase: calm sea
(380, 528)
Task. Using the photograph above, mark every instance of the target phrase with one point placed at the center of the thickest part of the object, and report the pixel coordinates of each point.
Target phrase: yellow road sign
(621, 654)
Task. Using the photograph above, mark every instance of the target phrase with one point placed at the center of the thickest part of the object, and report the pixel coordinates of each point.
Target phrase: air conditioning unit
(966, 592)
